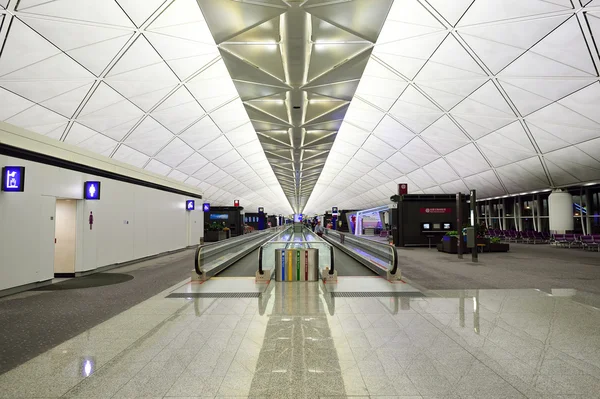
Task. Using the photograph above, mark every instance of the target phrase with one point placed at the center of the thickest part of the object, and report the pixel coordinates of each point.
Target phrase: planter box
(498, 247)
(214, 236)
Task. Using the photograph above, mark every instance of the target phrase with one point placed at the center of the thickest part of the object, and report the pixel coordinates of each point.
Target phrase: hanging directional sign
(91, 190)
(206, 207)
(190, 205)
(13, 179)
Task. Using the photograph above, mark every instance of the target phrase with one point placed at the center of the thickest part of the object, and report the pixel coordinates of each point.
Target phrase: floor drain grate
(375, 294)
(214, 295)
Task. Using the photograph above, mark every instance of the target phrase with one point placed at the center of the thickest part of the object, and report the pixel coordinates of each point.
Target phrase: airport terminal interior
(300, 199)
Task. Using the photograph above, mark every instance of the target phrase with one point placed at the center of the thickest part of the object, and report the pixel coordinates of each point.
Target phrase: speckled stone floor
(297, 341)
(33, 322)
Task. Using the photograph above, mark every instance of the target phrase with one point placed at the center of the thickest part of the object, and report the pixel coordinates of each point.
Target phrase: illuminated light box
(206, 207)
(91, 190)
(218, 216)
(13, 179)
(190, 205)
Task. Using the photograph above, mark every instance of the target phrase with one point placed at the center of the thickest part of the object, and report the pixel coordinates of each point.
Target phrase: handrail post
(198, 260)
(394, 274)
(331, 270)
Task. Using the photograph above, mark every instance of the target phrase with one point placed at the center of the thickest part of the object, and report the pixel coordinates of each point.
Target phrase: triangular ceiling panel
(373, 15)
(500, 44)
(497, 103)
(106, 12)
(482, 11)
(451, 11)
(223, 27)
(140, 11)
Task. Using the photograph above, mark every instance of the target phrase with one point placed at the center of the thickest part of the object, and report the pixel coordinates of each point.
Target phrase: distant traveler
(319, 229)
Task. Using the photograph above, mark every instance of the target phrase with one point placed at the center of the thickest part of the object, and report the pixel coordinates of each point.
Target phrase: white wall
(130, 222)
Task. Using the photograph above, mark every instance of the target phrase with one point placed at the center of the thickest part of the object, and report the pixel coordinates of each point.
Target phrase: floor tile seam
(547, 345)
(128, 349)
(475, 355)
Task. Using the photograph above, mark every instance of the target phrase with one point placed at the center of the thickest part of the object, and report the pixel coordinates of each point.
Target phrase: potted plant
(214, 232)
(496, 245)
(450, 242)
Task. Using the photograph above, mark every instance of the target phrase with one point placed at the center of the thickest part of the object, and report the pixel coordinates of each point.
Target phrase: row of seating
(528, 237)
(591, 242)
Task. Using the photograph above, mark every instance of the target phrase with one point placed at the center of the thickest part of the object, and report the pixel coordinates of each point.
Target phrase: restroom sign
(13, 179)
(91, 190)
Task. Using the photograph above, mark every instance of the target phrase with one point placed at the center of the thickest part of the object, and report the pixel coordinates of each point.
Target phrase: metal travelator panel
(211, 259)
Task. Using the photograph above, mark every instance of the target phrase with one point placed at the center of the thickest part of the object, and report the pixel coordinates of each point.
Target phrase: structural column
(560, 211)
(589, 210)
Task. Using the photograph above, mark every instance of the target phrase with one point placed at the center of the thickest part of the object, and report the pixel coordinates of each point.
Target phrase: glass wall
(530, 211)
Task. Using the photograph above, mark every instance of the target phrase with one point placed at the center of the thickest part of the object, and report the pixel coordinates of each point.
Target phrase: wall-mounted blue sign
(261, 210)
(218, 216)
(13, 179)
(190, 205)
(206, 207)
(91, 190)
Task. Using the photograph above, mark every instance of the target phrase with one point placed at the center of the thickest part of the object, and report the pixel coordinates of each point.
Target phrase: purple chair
(586, 242)
(591, 242)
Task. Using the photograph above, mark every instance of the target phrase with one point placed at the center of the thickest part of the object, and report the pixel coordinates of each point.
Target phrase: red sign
(403, 188)
(236, 202)
(436, 210)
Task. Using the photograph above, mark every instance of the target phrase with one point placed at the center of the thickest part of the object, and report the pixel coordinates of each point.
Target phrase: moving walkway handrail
(197, 261)
(203, 251)
(391, 248)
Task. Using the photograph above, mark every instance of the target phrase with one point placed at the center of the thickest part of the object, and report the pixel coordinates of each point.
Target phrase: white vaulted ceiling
(140, 81)
(497, 95)
(501, 96)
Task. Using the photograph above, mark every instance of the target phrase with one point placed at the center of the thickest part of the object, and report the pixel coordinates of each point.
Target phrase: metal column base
(263, 278)
(394, 277)
(329, 278)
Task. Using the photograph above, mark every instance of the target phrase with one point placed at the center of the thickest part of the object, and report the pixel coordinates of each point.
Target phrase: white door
(47, 216)
(66, 231)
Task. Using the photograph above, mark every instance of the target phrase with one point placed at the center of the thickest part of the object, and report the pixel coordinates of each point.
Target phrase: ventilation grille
(215, 295)
(375, 294)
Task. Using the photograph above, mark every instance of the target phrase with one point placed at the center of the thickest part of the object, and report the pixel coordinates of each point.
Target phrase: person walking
(319, 229)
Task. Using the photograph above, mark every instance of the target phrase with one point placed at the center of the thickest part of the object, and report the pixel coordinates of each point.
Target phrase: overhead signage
(403, 188)
(236, 202)
(91, 190)
(206, 207)
(190, 205)
(13, 179)
(334, 210)
(436, 210)
(261, 210)
(218, 216)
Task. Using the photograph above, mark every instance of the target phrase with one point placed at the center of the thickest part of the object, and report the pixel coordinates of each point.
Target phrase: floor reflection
(298, 355)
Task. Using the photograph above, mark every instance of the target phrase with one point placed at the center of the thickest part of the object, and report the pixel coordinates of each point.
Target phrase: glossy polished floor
(298, 341)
